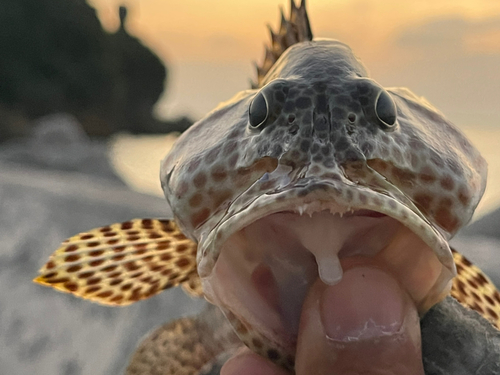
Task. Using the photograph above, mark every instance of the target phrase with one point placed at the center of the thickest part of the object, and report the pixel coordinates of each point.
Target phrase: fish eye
(385, 109)
(258, 111)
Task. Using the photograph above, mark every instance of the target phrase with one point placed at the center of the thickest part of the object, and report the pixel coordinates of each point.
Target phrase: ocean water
(137, 160)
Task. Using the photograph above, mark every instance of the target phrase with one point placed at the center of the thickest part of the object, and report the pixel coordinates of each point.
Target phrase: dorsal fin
(293, 30)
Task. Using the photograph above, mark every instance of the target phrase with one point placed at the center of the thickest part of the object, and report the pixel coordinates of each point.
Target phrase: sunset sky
(446, 50)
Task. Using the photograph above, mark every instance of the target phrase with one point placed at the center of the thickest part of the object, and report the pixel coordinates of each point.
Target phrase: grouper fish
(316, 174)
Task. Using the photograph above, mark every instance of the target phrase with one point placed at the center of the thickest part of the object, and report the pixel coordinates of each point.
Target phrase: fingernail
(365, 304)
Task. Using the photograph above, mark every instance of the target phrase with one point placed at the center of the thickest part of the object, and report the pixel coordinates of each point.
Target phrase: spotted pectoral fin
(123, 263)
(192, 285)
(472, 288)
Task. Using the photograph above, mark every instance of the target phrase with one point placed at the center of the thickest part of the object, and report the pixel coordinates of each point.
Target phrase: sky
(445, 50)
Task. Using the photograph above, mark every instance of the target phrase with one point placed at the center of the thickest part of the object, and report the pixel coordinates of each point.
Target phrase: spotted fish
(316, 166)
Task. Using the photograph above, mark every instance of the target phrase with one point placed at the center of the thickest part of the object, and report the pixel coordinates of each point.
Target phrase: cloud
(454, 62)
(453, 36)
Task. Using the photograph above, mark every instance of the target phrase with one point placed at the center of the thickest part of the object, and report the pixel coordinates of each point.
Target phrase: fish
(315, 168)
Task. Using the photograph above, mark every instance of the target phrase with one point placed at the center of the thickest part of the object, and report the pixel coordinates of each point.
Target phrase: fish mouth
(275, 249)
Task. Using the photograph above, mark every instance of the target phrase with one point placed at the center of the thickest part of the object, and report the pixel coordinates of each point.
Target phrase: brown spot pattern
(92, 289)
(105, 294)
(195, 200)
(110, 268)
(75, 268)
(71, 286)
(72, 258)
(199, 217)
(96, 263)
(447, 183)
(71, 248)
(96, 253)
(183, 263)
(104, 275)
(200, 180)
(474, 290)
(126, 225)
(94, 281)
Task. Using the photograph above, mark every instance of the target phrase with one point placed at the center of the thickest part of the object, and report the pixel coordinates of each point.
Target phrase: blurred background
(93, 93)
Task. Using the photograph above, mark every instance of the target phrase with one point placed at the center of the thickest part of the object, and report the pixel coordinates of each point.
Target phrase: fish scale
(315, 133)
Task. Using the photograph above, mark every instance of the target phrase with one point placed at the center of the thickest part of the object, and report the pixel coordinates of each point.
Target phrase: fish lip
(333, 196)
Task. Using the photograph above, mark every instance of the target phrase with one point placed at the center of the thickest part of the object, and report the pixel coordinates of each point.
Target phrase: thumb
(364, 324)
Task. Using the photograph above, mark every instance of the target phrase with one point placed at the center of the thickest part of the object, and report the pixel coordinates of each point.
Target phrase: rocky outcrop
(458, 341)
(60, 182)
(52, 186)
(56, 57)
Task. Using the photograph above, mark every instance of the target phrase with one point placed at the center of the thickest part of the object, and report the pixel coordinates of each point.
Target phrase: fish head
(319, 168)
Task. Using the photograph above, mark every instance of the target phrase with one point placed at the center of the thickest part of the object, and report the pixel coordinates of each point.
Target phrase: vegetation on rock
(56, 57)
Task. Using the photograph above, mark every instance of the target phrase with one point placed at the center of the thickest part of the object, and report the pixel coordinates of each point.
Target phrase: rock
(56, 57)
(458, 341)
(46, 332)
(60, 129)
(60, 143)
(143, 78)
(46, 197)
(54, 185)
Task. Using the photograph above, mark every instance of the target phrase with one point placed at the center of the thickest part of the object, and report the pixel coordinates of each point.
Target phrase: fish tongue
(364, 324)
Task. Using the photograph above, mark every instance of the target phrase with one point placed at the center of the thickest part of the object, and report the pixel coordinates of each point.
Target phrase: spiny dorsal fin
(123, 263)
(472, 288)
(294, 30)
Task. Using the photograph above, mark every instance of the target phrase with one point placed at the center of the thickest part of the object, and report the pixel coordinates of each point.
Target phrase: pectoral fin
(124, 262)
(472, 288)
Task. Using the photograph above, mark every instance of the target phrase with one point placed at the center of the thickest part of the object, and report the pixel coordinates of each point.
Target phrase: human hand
(366, 324)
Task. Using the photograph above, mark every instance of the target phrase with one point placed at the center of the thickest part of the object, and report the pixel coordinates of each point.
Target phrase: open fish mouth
(273, 251)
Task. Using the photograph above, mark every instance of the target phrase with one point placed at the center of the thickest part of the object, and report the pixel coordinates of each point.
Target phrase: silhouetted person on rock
(56, 58)
(143, 75)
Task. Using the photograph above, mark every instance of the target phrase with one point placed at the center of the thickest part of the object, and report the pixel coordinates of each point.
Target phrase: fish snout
(328, 122)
